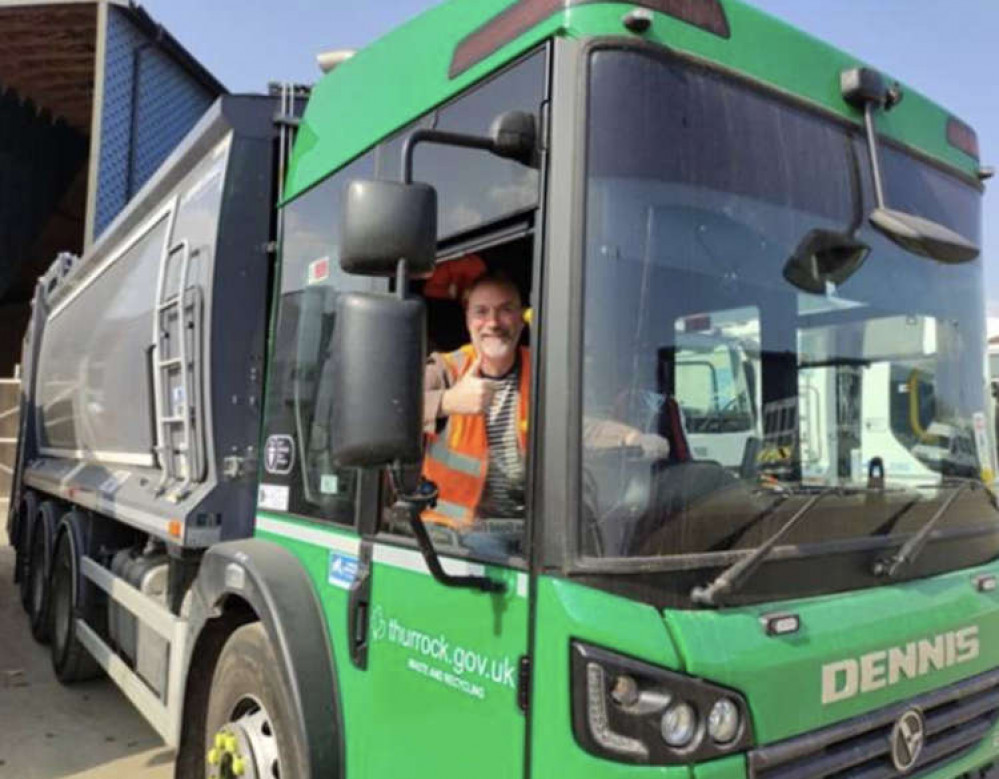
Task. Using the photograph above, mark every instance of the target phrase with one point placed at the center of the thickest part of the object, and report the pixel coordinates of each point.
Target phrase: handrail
(160, 446)
(185, 266)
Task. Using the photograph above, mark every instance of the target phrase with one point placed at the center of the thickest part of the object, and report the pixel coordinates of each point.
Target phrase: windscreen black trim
(793, 577)
(520, 17)
(689, 562)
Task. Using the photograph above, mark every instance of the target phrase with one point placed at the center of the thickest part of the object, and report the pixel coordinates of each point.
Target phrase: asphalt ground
(49, 731)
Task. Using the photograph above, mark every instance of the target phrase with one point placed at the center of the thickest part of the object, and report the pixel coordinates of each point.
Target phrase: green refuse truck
(726, 233)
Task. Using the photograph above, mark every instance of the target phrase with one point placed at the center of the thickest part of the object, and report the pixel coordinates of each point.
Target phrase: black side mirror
(924, 237)
(824, 257)
(378, 353)
(385, 222)
(515, 136)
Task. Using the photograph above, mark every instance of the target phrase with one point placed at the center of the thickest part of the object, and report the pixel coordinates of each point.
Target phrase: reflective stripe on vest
(457, 458)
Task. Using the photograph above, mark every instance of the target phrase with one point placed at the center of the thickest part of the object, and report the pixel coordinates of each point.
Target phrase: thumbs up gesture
(472, 394)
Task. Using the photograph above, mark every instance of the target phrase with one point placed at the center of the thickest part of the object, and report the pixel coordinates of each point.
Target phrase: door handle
(359, 608)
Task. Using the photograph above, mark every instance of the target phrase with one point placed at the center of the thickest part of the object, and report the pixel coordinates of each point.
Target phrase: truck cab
(687, 238)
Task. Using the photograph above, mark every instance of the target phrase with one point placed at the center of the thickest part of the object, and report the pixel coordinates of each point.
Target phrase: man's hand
(471, 395)
(653, 446)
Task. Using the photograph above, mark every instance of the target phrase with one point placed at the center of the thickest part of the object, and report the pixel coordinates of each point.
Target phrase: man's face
(495, 319)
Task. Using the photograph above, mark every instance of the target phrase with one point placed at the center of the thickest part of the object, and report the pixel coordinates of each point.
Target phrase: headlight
(634, 712)
(723, 721)
(679, 725)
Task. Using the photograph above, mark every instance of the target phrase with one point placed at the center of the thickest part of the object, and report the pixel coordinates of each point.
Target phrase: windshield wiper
(736, 574)
(733, 538)
(909, 551)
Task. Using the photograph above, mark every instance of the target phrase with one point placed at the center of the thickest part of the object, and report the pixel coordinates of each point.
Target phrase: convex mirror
(923, 237)
(377, 354)
(385, 222)
(824, 257)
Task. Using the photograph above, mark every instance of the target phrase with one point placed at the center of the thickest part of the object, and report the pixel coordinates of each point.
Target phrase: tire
(20, 540)
(70, 659)
(250, 711)
(38, 569)
(17, 520)
(23, 574)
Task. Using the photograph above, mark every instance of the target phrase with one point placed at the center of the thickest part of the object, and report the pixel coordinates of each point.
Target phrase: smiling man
(476, 406)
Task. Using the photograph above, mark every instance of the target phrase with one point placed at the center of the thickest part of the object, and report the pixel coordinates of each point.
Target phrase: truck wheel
(39, 566)
(20, 539)
(250, 730)
(70, 660)
(23, 563)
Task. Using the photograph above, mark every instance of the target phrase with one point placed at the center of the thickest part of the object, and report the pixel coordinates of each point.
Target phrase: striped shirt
(506, 474)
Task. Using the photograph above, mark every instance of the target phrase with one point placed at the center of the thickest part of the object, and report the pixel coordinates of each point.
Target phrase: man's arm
(608, 434)
(434, 386)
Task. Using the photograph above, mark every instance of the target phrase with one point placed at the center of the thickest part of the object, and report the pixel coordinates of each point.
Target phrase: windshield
(707, 204)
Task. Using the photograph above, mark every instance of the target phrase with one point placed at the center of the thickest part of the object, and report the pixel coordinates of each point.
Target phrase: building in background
(94, 95)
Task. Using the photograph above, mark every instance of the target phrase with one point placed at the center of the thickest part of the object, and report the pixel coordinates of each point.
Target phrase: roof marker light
(506, 26)
(517, 19)
(962, 136)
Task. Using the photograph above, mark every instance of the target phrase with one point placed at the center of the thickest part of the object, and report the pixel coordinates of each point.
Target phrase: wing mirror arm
(865, 89)
(872, 148)
(513, 135)
(409, 506)
(442, 138)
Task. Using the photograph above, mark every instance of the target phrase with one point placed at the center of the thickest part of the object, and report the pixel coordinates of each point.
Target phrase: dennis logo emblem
(908, 738)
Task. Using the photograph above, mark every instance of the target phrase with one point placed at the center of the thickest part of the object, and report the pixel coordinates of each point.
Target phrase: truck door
(441, 676)
(427, 674)
(440, 687)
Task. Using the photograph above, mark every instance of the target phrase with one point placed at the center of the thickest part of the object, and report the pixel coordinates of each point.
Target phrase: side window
(296, 475)
(475, 188)
(476, 193)
(479, 461)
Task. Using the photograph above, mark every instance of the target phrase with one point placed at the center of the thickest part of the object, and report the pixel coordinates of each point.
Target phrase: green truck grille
(957, 718)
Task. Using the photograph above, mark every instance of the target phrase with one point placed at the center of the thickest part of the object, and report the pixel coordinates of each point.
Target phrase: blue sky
(940, 48)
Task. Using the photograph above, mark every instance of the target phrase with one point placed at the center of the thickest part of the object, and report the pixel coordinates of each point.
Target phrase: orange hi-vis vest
(457, 458)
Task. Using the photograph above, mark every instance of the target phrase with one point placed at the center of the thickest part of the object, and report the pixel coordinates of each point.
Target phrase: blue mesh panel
(168, 105)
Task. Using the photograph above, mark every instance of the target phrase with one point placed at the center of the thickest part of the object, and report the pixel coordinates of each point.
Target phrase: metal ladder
(173, 362)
